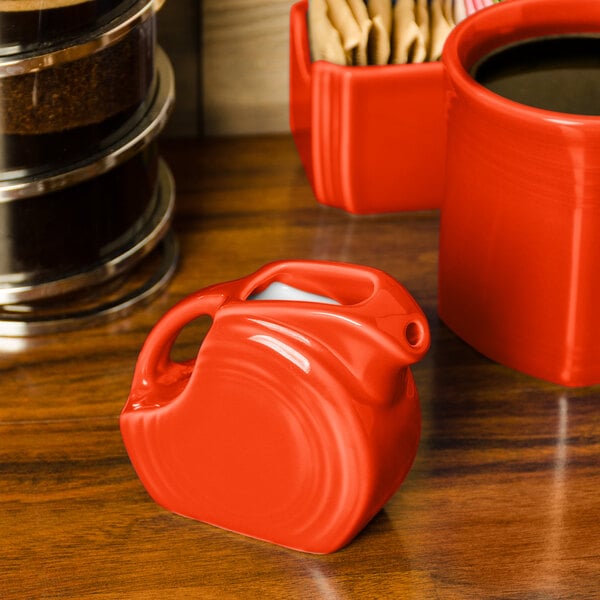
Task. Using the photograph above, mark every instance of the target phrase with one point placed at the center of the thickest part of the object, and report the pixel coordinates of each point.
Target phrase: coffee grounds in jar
(30, 5)
(31, 24)
(44, 152)
(63, 232)
(81, 92)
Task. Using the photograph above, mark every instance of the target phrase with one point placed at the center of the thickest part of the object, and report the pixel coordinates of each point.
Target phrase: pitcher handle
(157, 377)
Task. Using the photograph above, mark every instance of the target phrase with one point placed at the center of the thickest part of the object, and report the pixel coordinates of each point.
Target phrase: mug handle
(157, 378)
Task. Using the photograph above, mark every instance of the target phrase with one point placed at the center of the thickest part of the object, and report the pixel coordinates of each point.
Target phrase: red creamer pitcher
(299, 417)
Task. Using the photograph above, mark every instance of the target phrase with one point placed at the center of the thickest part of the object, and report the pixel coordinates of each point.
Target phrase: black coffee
(559, 73)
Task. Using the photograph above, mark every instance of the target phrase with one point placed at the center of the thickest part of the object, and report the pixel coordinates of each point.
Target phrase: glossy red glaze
(297, 420)
(371, 139)
(519, 254)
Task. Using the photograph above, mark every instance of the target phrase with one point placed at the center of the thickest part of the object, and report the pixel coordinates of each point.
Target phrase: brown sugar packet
(440, 28)
(344, 22)
(404, 31)
(325, 41)
(379, 47)
(410, 31)
(422, 15)
(361, 16)
(448, 10)
(383, 9)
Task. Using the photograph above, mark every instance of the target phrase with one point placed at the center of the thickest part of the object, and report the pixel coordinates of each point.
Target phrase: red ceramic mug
(519, 185)
(519, 251)
(298, 419)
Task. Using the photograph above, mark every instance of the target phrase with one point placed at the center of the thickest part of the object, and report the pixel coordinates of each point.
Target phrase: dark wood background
(231, 65)
(179, 25)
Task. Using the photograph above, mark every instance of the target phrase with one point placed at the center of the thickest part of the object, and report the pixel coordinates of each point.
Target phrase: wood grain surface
(503, 500)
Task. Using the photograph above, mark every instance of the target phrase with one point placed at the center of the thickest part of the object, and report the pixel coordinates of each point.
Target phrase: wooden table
(503, 500)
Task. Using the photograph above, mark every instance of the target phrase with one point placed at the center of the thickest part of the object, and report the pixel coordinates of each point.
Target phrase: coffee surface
(559, 73)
